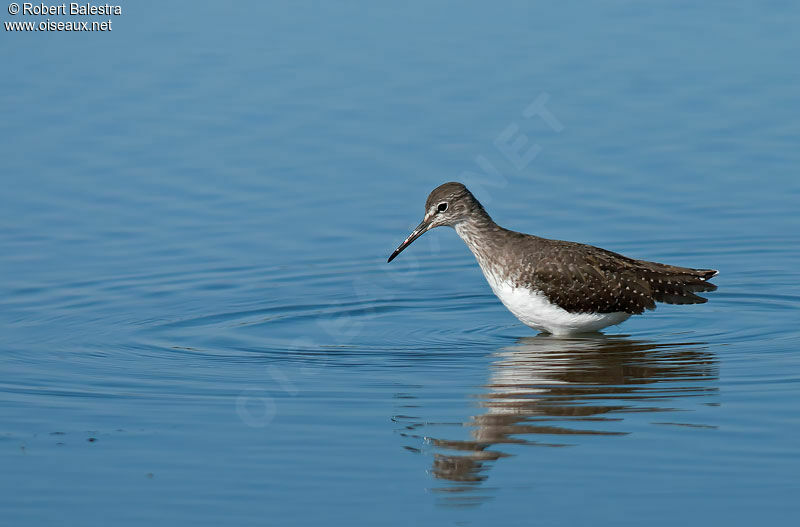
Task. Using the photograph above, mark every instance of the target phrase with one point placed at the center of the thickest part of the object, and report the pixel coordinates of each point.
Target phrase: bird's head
(448, 204)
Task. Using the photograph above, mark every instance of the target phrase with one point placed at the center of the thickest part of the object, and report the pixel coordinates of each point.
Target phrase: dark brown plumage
(586, 279)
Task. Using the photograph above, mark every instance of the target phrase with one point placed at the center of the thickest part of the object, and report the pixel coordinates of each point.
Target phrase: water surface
(199, 325)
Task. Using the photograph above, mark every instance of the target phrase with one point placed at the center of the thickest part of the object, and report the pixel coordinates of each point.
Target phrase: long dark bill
(416, 233)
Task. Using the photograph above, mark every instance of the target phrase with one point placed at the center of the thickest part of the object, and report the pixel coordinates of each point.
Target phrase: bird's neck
(480, 233)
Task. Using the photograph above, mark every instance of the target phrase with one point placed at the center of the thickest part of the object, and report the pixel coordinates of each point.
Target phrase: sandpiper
(556, 286)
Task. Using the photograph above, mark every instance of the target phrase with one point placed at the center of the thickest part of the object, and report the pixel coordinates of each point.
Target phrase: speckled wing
(586, 279)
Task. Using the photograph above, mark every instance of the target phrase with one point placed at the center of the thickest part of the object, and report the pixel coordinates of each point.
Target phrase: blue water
(199, 325)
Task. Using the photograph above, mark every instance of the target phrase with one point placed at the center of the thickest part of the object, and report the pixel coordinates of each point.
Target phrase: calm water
(199, 326)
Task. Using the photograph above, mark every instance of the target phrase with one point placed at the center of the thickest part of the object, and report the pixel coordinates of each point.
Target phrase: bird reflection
(547, 391)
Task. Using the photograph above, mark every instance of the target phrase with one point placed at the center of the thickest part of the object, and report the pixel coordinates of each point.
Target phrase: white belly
(532, 307)
(534, 310)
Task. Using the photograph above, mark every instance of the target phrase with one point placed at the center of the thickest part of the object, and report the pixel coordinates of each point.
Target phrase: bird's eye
(442, 207)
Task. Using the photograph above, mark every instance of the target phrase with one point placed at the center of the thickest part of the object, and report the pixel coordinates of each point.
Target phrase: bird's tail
(678, 285)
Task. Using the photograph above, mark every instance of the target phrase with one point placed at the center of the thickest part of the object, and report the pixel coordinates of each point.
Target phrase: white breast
(534, 310)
